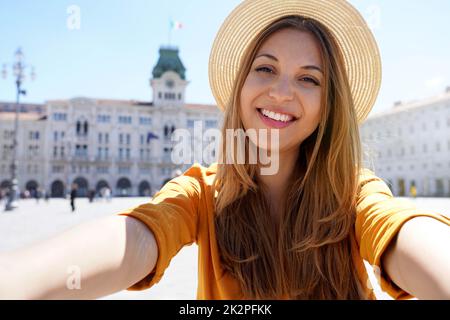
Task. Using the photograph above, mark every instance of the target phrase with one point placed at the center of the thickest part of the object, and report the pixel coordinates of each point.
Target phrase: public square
(33, 222)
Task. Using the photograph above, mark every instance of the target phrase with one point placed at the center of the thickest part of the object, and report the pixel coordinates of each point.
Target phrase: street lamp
(19, 75)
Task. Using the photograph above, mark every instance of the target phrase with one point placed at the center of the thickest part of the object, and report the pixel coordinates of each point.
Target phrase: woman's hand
(418, 260)
(88, 261)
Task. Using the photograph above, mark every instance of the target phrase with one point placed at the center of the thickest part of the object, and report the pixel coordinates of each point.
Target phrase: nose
(281, 89)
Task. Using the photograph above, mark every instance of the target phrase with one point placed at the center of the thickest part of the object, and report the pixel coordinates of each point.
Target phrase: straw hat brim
(355, 39)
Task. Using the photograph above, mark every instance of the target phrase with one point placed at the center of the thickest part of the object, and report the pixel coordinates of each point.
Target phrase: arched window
(166, 131)
(86, 127)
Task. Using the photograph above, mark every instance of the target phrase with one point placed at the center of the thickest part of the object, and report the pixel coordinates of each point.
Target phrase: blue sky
(116, 47)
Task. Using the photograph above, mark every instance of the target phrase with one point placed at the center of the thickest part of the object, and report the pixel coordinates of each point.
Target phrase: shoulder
(195, 179)
(200, 171)
(367, 175)
(370, 183)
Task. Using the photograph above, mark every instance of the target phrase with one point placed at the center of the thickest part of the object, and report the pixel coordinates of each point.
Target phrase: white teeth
(276, 116)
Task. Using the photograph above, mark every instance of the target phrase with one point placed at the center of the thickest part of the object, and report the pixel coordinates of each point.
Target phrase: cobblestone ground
(33, 222)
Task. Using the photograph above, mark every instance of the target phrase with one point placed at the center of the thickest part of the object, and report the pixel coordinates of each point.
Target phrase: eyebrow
(271, 57)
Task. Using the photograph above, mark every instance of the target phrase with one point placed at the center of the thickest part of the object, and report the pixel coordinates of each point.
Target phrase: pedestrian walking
(73, 195)
(413, 191)
(108, 194)
(91, 195)
(46, 195)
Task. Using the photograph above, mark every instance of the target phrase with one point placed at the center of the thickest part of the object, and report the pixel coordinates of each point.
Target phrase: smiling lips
(276, 120)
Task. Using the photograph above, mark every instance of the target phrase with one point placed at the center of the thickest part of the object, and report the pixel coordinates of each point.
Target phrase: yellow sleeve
(172, 216)
(379, 218)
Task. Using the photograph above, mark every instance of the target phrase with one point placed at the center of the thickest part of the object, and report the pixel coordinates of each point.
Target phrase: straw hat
(251, 17)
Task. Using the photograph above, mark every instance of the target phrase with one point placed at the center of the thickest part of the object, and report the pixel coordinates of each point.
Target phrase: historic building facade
(409, 145)
(125, 145)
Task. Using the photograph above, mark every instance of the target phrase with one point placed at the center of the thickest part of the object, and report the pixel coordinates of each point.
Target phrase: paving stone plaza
(34, 221)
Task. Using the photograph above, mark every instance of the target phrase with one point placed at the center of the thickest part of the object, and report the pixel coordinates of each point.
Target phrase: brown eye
(311, 80)
(264, 69)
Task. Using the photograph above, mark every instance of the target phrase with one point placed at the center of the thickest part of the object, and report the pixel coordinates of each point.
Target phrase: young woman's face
(283, 88)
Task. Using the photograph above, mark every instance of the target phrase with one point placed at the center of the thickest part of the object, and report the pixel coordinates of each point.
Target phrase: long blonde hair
(309, 256)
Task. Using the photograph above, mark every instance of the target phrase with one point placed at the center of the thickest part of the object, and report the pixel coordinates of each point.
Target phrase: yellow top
(182, 213)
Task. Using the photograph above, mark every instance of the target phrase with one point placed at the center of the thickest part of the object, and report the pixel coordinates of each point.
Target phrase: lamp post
(19, 74)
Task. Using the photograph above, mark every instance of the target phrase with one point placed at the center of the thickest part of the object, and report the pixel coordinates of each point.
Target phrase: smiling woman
(292, 68)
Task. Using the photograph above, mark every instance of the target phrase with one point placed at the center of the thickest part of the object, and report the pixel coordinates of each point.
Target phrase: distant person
(73, 195)
(46, 195)
(91, 195)
(37, 194)
(413, 191)
(108, 194)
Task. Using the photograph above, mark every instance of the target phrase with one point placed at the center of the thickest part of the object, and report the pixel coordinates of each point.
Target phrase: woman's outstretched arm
(88, 261)
(418, 260)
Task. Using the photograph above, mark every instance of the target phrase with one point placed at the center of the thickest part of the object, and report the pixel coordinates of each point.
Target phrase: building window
(102, 118)
(100, 137)
(125, 119)
(106, 137)
(127, 154)
(179, 96)
(145, 121)
(142, 139)
(59, 116)
(33, 135)
(120, 138)
(55, 136)
(102, 169)
(141, 154)
(106, 153)
(169, 96)
(166, 131)
(190, 123)
(128, 138)
(160, 95)
(124, 170)
(7, 134)
(211, 124)
(86, 127)
(120, 153)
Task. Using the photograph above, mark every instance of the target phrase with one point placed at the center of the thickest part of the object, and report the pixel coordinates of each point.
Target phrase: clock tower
(168, 79)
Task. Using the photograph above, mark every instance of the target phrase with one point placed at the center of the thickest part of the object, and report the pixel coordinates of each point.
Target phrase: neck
(276, 184)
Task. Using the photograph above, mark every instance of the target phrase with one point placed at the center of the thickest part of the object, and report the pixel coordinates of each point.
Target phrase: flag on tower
(176, 25)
